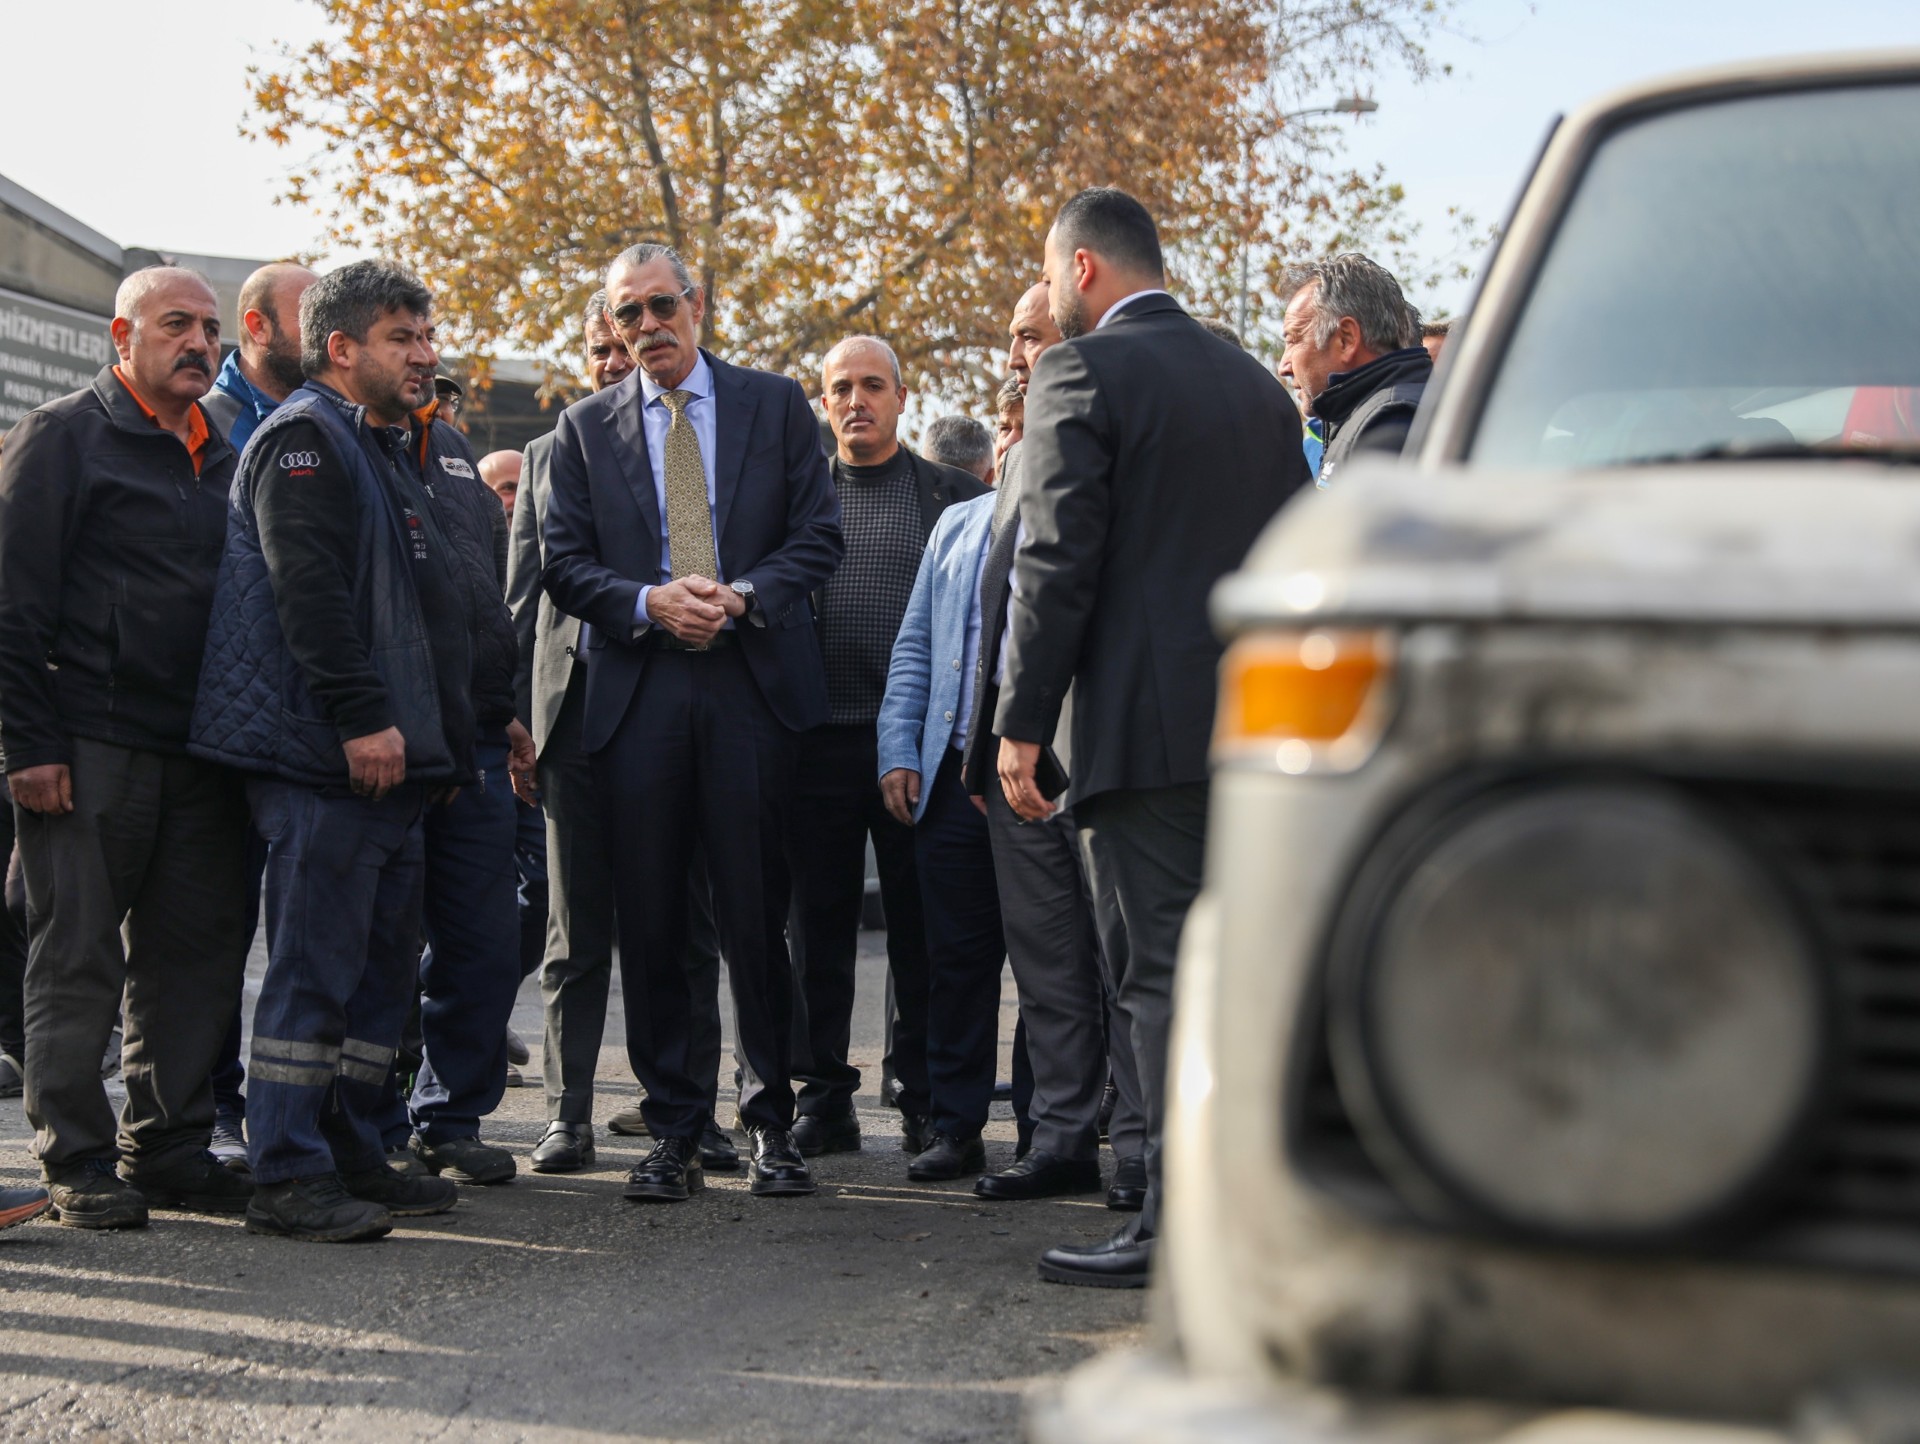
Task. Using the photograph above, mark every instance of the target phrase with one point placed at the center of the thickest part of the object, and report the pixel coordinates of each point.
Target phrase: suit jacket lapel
(629, 435)
(733, 409)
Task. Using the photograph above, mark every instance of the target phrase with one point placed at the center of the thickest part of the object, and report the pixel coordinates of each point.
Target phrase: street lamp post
(1347, 105)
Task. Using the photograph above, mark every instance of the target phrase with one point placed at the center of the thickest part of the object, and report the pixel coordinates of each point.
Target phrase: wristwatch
(744, 591)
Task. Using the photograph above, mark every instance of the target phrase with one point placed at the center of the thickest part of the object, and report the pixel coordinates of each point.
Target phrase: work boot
(630, 1123)
(200, 1184)
(466, 1160)
(315, 1210)
(402, 1195)
(402, 1160)
(90, 1194)
(17, 1205)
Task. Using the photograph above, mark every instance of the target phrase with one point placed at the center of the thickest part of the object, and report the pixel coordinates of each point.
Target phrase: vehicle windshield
(1739, 277)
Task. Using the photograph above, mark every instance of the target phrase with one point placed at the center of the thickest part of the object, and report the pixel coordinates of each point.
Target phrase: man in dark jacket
(889, 502)
(1354, 354)
(112, 513)
(339, 672)
(471, 969)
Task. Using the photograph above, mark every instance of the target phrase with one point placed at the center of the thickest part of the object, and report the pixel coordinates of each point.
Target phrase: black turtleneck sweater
(863, 603)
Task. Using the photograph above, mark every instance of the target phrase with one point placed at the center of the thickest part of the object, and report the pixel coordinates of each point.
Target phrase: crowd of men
(271, 633)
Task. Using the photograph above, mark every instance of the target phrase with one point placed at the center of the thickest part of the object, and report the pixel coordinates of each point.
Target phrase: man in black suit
(690, 518)
(1154, 454)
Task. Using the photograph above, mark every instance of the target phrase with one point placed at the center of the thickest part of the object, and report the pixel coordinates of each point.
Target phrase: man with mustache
(339, 676)
(113, 509)
(690, 520)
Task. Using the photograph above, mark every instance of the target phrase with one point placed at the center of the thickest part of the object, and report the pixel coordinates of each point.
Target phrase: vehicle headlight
(1583, 1011)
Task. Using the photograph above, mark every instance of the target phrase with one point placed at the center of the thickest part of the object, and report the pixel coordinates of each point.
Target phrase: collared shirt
(1120, 305)
(970, 660)
(656, 417)
(197, 433)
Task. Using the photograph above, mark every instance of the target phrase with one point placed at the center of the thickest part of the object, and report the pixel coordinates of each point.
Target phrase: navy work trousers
(966, 949)
(343, 889)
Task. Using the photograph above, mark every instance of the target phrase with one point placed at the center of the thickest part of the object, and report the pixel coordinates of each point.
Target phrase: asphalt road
(550, 1308)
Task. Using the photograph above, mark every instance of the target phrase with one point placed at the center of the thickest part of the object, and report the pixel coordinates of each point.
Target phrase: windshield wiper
(1908, 455)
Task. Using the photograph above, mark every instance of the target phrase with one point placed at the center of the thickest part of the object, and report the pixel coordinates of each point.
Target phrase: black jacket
(109, 545)
(1370, 409)
(1154, 454)
(475, 522)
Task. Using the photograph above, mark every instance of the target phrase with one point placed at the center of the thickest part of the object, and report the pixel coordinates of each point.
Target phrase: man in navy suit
(691, 516)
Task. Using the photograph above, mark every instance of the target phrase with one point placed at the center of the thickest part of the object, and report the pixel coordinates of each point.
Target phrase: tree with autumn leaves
(824, 166)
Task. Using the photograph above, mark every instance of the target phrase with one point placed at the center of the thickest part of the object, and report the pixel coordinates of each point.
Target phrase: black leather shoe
(717, 1153)
(1109, 1100)
(564, 1148)
(916, 1132)
(946, 1157)
(1128, 1193)
(1041, 1175)
(818, 1133)
(1121, 1262)
(670, 1174)
(778, 1169)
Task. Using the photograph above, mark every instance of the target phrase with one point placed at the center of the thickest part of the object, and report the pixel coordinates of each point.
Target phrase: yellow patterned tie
(689, 522)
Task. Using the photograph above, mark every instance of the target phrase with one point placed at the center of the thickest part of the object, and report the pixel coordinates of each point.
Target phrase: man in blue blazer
(689, 519)
(923, 728)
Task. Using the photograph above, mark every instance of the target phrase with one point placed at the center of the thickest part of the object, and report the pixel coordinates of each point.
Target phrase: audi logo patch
(296, 460)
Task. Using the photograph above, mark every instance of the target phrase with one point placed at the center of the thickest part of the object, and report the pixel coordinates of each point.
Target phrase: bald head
(872, 344)
(501, 471)
(166, 327)
(1030, 332)
(270, 327)
(138, 293)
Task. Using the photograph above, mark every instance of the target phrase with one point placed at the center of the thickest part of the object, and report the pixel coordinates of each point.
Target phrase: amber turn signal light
(1300, 691)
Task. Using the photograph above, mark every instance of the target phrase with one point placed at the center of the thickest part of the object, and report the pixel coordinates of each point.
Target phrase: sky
(1460, 139)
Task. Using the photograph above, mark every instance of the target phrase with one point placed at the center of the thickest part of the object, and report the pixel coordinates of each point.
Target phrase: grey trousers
(1046, 912)
(578, 967)
(138, 897)
(1144, 850)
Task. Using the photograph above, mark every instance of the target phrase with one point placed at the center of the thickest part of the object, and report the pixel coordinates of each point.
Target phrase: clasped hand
(692, 608)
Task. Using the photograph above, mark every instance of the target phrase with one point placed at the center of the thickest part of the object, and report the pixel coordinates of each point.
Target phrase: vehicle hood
(1762, 543)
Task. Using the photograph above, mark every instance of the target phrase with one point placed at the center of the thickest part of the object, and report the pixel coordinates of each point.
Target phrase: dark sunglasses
(664, 306)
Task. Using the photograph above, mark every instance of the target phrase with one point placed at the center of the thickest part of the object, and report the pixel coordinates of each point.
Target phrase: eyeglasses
(664, 306)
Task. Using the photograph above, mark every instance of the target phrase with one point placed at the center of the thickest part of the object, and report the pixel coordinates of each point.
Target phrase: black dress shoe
(1128, 1192)
(564, 1148)
(1109, 1100)
(947, 1157)
(916, 1132)
(717, 1153)
(669, 1174)
(778, 1169)
(1121, 1262)
(818, 1133)
(1041, 1175)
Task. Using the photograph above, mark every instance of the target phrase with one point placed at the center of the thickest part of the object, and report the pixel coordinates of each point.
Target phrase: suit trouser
(13, 954)
(343, 889)
(965, 952)
(134, 899)
(1144, 849)
(1052, 942)
(699, 759)
(470, 971)
(577, 972)
(836, 807)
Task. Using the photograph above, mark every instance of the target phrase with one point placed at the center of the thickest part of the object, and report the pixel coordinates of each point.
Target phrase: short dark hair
(596, 310)
(1112, 224)
(1009, 396)
(959, 441)
(1436, 328)
(1222, 330)
(350, 300)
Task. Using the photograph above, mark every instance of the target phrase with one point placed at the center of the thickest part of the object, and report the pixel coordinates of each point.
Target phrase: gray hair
(1009, 396)
(350, 300)
(959, 441)
(1222, 330)
(646, 253)
(148, 279)
(852, 341)
(596, 310)
(1350, 285)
